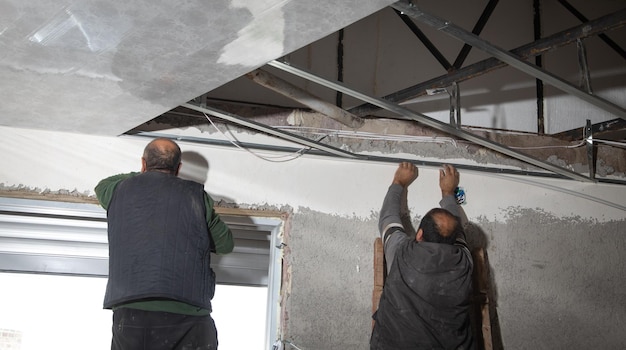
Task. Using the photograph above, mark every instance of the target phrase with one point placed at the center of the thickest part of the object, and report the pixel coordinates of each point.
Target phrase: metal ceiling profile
(507, 57)
(264, 76)
(406, 114)
(535, 48)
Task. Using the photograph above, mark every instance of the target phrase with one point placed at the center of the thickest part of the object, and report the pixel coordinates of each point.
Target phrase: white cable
(369, 135)
(612, 143)
(323, 132)
(547, 147)
(275, 159)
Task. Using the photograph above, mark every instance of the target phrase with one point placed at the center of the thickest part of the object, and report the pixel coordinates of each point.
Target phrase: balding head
(161, 155)
(439, 226)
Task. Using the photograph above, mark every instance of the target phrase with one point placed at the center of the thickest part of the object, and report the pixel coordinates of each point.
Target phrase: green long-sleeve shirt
(221, 236)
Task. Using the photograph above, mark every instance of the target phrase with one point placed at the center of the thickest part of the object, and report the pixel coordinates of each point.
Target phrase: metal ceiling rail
(267, 129)
(436, 124)
(538, 47)
(368, 157)
(505, 56)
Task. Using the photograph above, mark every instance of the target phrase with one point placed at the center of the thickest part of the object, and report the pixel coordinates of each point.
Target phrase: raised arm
(390, 222)
(448, 182)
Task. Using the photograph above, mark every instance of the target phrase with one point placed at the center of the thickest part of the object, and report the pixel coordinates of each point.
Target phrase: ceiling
(493, 76)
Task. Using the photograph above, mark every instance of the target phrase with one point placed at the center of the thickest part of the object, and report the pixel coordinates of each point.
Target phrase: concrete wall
(555, 247)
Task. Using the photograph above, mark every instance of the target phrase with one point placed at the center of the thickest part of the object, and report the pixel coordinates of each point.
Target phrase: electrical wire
(369, 135)
(275, 159)
(582, 143)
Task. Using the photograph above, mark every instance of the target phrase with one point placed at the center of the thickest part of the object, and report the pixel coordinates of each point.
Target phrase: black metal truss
(507, 57)
(591, 28)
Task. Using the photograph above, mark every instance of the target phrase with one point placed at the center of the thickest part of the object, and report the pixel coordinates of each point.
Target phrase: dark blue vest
(159, 245)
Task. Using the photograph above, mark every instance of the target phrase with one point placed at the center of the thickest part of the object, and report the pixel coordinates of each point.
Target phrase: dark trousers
(152, 330)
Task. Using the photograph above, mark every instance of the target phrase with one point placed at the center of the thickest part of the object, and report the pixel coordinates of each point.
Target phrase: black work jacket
(425, 300)
(159, 245)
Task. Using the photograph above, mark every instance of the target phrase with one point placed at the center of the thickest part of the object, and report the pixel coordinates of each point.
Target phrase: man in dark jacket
(426, 295)
(162, 230)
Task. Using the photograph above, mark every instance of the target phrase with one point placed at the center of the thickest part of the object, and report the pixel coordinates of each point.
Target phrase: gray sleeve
(390, 223)
(449, 203)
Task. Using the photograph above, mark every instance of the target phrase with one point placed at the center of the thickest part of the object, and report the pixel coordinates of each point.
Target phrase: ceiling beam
(507, 57)
(584, 19)
(595, 27)
(304, 97)
(406, 114)
(424, 39)
(478, 28)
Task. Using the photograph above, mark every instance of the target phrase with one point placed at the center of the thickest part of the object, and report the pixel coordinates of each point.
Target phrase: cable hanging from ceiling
(277, 159)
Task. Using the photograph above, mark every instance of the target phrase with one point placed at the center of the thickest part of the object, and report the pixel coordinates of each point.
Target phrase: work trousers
(153, 330)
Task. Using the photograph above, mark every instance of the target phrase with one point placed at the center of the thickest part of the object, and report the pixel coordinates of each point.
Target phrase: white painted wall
(61, 161)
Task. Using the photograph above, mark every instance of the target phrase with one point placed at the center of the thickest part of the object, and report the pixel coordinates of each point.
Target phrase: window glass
(39, 311)
(53, 312)
(240, 317)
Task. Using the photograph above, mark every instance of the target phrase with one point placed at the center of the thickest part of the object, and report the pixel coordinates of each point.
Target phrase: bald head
(161, 155)
(440, 226)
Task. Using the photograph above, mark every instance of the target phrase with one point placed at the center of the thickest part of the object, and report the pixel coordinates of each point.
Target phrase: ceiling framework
(516, 58)
(568, 36)
(286, 79)
(404, 113)
(509, 58)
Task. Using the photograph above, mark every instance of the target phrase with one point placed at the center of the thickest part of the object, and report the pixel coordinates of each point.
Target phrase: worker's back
(425, 299)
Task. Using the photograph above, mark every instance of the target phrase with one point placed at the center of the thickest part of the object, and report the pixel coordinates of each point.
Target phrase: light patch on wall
(260, 40)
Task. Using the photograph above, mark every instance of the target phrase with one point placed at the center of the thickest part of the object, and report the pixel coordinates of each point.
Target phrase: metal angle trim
(426, 120)
(270, 130)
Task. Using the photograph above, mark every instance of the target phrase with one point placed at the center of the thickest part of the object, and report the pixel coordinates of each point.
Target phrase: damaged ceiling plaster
(397, 139)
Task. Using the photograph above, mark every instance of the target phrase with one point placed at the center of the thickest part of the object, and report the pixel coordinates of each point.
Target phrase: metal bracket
(585, 80)
(455, 105)
(591, 159)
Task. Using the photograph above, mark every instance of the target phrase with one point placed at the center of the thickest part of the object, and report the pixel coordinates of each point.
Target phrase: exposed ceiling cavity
(524, 87)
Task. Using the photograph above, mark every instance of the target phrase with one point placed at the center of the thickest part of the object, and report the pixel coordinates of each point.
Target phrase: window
(57, 252)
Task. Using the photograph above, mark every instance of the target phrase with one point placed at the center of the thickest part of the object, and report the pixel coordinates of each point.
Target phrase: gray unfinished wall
(555, 247)
(558, 281)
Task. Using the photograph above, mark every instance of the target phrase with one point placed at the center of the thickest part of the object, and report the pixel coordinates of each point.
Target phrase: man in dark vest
(426, 296)
(162, 230)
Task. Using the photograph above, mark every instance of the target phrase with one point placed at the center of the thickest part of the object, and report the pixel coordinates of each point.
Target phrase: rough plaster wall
(559, 281)
(330, 301)
(555, 247)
